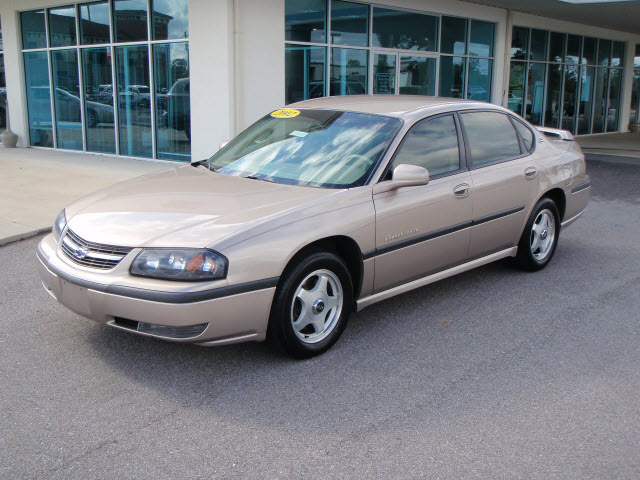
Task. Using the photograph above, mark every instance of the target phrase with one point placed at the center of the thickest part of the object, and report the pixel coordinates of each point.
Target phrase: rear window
(491, 137)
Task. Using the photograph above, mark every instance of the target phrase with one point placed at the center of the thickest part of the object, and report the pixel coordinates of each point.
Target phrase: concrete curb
(609, 158)
(24, 235)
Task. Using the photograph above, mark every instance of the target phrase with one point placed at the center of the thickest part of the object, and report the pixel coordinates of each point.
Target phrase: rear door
(504, 177)
(424, 229)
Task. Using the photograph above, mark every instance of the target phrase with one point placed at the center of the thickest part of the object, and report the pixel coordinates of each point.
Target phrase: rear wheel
(311, 306)
(540, 237)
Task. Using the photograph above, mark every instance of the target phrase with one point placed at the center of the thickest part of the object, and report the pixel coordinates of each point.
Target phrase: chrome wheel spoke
(542, 234)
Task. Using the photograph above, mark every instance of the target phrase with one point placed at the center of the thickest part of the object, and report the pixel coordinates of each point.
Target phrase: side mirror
(223, 144)
(404, 176)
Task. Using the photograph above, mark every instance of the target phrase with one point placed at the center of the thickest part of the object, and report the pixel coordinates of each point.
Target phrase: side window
(491, 137)
(432, 144)
(526, 134)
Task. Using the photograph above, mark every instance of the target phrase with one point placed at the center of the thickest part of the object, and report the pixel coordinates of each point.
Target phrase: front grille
(89, 254)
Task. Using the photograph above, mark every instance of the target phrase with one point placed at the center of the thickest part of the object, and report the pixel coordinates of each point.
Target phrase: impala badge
(388, 238)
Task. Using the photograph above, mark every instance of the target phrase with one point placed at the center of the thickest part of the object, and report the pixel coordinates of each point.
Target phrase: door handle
(530, 172)
(461, 190)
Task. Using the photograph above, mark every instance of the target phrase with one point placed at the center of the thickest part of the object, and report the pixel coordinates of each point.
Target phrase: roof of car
(395, 105)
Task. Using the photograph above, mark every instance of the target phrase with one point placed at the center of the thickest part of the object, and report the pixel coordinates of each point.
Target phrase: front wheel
(311, 306)
(540, 237)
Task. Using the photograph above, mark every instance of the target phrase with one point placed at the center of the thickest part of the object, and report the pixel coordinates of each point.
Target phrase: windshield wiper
(264, 179)
(204, 163)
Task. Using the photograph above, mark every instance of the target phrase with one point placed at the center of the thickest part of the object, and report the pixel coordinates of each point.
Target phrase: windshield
(318, 148)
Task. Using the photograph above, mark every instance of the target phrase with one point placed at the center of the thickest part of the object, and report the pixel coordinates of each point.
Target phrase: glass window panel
(570, 102)
(169, 19)
(525, 133)
(491, 137)
(33, 29)
(519, 43)
(554, 94)
(604, 52)
(573, 49)
(404, 30)
(134, 106)
(535, 93)
(349, 70)
(538, 45)
(36, 71)
(62, 26)
(556, 46)
(452, 75)
(304, 72)
(130, 20)
(600, 101)
(480, 79)
(636, 58)
(173, 105)
(614, 95)
(384, 74)
(417, 76)
(94, 23)
(516, 87)
(589, 51)
(305, 20)
(481, 43)
(454, 35)
(432, 144)
(3, 96)
(587, 80)
(66, 98)
(635, 98)
(617, 54)
(98, 103)
(349, 23)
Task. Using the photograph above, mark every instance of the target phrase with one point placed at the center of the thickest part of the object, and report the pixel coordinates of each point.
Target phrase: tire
(311, 305)
(187, 130)
(540, 237)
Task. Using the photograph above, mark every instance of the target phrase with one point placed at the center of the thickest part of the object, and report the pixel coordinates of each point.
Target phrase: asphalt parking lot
(492, 374)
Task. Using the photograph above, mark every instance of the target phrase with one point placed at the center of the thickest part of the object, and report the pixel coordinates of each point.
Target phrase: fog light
(172, 332)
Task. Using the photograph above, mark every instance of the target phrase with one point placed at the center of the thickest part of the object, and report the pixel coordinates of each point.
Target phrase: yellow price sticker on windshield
(286, 113)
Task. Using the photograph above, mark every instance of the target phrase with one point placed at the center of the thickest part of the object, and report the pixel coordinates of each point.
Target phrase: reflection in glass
(173, 107)
(404, 30)
(62, 26)
(481, 43)
(33, 29)
(134, 106)
(617, 54)
(600, 101)
(538, 45)
(516, 87)
(94, 23)
(305, 20)
(604, 52)
(573, 49)
(587, 80)
(304, 72)
(349, 23)
(384, 74)
(130, 20)
(614, 98)
(3, 94)
(36, 71)
(66, 98)
(417, 76)
(98, 103)
(556, 47)
(589, 51)
(535, 93)
(635, 98)
(452, 76)
(454, 35)
(479, 79)
(571, 105)
(169, 19)
(554, 93)
(491, 137)
(348, 72)
(519, 43)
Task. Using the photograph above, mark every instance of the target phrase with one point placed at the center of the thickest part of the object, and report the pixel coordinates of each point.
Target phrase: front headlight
(179, 264)
(58, 225)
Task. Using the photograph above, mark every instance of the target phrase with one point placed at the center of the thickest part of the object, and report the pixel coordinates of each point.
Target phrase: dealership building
(172, 79)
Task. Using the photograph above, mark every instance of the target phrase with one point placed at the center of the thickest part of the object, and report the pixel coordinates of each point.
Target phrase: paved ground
(492, 374)
(36, 184)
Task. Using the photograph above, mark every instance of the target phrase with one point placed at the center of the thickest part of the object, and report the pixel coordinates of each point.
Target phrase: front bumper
(232, 314)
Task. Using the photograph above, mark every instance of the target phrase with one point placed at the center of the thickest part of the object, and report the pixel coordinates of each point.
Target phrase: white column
(212, 75)
(627, 86)
(503, 34)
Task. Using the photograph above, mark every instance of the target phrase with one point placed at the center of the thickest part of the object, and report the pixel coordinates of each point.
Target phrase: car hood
(183, 207)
